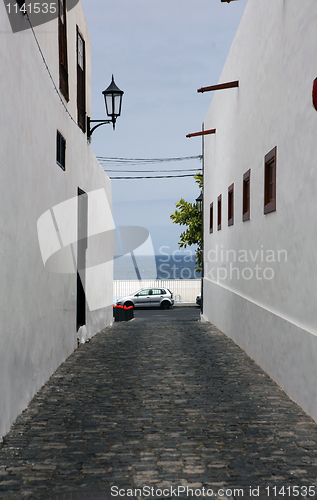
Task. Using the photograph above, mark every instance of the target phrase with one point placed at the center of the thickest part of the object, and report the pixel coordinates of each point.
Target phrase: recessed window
(62, 43)
(211, 218)
(60, 151)
(246, 196)
(219, 211)
(230, 205)
(270, 182)
(81, 82)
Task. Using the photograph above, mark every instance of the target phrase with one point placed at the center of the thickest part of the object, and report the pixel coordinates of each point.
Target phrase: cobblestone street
(159, 401)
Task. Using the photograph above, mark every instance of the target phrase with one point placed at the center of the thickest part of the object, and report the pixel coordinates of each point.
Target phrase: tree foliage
(186, 214)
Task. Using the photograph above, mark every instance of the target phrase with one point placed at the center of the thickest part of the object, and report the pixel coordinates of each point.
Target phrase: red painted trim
(203, 132)
(220, 86)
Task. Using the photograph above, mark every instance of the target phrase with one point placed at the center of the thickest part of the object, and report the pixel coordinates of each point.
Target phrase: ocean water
(165, 267)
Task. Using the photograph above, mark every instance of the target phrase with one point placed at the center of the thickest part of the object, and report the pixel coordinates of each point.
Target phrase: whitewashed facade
(260, 273)
(39, 327)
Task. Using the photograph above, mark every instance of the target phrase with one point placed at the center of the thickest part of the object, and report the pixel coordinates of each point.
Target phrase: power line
(178, 158)
(146, 161)
(154, 177)
(153, 171)
(135, 161)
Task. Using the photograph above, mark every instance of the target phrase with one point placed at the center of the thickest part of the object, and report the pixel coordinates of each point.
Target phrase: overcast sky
(160, 53)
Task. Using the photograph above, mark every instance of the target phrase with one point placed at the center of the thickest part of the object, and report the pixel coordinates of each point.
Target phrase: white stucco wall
(38, 307)
(274, 320)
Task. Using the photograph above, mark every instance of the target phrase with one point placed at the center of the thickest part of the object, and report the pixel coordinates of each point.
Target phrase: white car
(148, 297)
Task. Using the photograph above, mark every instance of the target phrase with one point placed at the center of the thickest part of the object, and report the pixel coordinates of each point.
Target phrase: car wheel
(129, 304)
(165, 305)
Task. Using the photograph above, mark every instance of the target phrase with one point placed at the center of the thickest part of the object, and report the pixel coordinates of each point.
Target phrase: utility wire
(153, 171)
(141, 161)
(154, 177)
(47, 68)
(146, 160)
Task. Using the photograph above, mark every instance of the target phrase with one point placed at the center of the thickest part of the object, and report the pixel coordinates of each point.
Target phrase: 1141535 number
(33, 8)
(291, 491)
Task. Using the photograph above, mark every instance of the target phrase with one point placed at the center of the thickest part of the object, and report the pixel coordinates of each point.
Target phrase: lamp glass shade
(113, 100)
(199, 203)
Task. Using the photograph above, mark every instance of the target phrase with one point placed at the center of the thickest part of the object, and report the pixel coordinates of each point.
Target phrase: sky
(160, 53)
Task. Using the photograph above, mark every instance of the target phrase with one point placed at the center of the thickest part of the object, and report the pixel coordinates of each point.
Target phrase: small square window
(219, 212)
(230, 205)
(246, 196)
(60, 151)
(270, 181)
(211, 218)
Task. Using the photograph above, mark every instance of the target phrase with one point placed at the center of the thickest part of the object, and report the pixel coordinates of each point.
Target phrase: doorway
(82, 243)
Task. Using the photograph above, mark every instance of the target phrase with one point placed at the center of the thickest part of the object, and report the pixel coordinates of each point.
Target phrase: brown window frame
(231, 205)
(81, 82)
(219, 208)
(62, 47)
(270, 181)
(211, 218)
(60, 150)
(246, 196)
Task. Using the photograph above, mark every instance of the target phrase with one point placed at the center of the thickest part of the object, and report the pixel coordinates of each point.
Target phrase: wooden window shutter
(81, 82)
(62, 42)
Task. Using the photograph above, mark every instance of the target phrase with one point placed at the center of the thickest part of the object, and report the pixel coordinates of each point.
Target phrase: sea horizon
(164, 267)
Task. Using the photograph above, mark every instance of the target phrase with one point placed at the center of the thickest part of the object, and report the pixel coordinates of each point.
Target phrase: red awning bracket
(203, 132)
(220, 86)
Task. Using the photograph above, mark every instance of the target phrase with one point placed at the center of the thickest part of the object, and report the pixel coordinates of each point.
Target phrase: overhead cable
(113, 160)
(153, 171)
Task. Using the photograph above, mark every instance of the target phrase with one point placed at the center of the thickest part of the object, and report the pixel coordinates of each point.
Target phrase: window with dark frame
(60, 150)
(81, 82)
(270, 181)
(230, 205)
(211, 218)
(62, 43)
(219, 212)
(246, 196)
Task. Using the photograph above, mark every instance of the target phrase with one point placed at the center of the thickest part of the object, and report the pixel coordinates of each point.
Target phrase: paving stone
(158, 403)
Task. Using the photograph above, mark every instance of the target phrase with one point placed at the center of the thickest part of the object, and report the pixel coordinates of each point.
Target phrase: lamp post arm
(99, 123)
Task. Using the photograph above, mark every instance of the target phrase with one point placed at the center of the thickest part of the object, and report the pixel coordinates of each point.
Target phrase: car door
(143, 298)
(156, 297)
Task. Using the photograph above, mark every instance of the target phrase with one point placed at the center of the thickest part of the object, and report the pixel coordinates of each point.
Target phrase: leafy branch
(186, 214)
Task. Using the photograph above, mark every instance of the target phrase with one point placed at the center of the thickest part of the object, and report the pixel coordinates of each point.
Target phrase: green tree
(186, 214)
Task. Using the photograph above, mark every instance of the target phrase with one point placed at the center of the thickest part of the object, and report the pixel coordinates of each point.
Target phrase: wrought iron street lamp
(113, 101)
(199, 203)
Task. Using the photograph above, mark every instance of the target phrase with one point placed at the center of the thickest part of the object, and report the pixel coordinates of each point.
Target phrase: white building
(260, 187)
(46, 162)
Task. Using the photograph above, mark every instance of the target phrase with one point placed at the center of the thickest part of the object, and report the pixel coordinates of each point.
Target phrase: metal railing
(183, 290)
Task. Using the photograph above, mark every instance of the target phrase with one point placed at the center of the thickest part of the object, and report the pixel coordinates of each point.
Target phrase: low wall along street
(183, 290)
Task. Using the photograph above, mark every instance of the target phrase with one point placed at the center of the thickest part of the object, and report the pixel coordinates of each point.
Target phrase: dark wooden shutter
(81, 81)
(62, 42)
(60, 150)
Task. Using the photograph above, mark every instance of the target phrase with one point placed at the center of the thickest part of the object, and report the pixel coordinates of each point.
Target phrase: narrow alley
(163, 401)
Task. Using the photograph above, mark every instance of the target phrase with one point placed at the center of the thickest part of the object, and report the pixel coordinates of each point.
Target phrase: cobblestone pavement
(160, 404)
